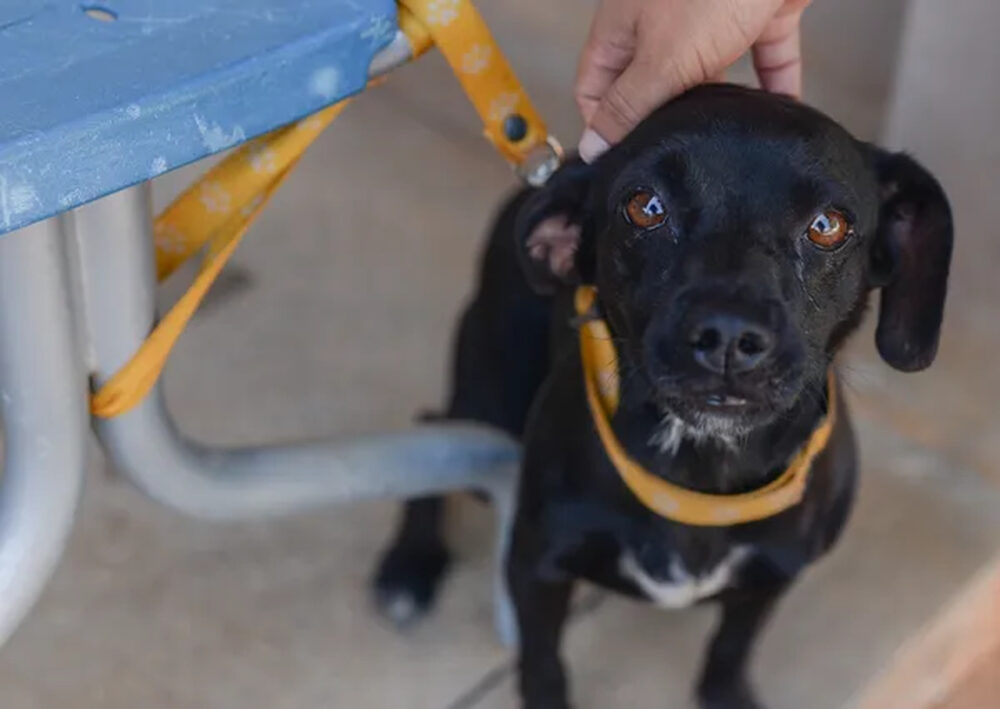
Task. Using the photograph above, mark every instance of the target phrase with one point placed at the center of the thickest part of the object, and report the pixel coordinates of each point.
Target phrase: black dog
(733, 239)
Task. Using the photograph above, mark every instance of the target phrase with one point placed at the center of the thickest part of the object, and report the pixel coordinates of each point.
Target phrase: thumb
(634, 95)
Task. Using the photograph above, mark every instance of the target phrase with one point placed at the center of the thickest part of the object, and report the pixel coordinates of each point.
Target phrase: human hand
(642, 52)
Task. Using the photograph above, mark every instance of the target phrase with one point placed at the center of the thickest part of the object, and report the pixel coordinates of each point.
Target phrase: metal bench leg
(505, 504)
(116, 256)
(43, 399)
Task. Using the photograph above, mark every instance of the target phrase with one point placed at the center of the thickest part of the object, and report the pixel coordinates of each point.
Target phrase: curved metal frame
(116, 258)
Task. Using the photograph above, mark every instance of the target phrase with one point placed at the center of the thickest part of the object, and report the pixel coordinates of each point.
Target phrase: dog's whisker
(856, 379)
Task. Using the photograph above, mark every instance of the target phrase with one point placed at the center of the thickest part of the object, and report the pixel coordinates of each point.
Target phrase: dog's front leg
(542, 605)
(724, 683)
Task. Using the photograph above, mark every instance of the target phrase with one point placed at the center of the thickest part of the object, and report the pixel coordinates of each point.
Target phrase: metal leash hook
(510, 120)
(541, 163)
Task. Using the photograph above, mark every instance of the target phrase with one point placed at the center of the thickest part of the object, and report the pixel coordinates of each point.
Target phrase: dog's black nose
(728, 343)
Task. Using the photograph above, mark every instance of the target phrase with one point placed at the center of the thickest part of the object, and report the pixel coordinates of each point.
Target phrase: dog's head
(734, 238)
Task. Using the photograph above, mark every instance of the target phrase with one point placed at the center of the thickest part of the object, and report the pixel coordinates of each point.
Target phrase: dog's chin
(724, 417)
(726, 424)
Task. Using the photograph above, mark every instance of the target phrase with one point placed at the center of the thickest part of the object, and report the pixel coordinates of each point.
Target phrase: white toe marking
(401, 608)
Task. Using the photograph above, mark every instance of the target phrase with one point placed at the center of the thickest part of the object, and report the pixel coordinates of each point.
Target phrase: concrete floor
(336, 318)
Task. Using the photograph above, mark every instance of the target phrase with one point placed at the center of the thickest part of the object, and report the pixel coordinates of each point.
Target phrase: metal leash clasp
(541, 163)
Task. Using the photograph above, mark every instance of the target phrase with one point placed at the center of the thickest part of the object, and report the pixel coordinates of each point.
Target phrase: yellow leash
(216, 211)
(600, 366)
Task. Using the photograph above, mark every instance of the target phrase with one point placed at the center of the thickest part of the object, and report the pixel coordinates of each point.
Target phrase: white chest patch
(682, 589)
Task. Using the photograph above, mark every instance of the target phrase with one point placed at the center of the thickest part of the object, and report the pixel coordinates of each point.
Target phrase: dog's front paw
(407, 581)
(733, 697)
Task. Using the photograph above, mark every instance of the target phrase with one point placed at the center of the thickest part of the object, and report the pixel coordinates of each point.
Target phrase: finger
(777, 56)
(607, 53)
(633, 96)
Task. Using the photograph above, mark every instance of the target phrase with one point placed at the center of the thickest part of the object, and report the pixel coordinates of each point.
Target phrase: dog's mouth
(736, 407)
(726, 402)
(725, 407)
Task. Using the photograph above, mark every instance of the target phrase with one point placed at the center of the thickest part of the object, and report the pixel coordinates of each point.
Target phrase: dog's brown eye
(645, 209)
(829, 229)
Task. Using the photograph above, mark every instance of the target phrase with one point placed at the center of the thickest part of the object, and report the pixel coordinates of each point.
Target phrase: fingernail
(592, 146)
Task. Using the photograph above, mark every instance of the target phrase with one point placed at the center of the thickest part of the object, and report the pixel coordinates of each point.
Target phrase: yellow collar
(600, 368)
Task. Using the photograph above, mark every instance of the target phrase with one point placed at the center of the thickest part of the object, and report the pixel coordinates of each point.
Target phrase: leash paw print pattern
(511, 123)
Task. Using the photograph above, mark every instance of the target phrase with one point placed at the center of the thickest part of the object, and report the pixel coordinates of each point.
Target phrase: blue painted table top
(94, 102)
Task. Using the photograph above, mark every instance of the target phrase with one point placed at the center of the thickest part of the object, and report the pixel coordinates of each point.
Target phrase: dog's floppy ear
(550, 230)
(910, 260)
